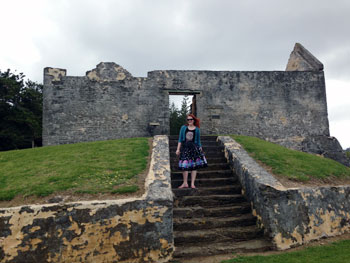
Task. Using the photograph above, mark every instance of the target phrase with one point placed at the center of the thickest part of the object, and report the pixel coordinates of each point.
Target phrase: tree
(178, 116)
(347, 152)
(20, 112)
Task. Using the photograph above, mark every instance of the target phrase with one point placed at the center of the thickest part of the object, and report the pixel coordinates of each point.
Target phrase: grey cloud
(200, 34)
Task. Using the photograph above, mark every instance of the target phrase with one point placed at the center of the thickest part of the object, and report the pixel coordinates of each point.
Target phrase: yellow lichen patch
(141, 216)
(121, 76)
(305, 195)
(92, 75)
(74, 227)
(297, 236)
(18, 221)
(125, 117)
(59, 232)
(56, 73)
(100, 239)
(33, 229)
(324, 223)
(96, 243)
(165, 243)
(317, 193)
(254, 212)
(283, 120)
(281, 242)
(34, 242)
(329, 224)
(153, 255)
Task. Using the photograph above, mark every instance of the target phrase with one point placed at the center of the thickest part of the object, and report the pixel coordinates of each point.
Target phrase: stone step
(220, 159)
(201, 174)
(223, 190)
(207, 182)
(227, 234)
(255, 245)
(221, 211)
(203, 138)
(211, 167)
(216, 154)
(209, 200)
(204, 143)
(186, 224)
(206, 149)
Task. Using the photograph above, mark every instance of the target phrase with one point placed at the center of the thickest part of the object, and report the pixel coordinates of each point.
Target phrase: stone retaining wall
(126, 230)
(293, 216)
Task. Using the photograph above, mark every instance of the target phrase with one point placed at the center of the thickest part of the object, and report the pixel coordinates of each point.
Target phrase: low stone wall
(293, 216)
(126, 230)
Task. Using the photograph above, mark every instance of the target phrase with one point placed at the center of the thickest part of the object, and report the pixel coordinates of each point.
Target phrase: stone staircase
(215, 218)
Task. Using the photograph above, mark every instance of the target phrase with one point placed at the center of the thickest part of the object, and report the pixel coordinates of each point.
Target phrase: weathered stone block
(126, 230)
(290, 217)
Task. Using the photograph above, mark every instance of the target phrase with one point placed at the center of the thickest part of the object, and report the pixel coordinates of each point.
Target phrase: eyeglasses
(189, 119)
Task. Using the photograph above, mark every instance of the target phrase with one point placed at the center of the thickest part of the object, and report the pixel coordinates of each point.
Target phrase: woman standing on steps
(189, 148)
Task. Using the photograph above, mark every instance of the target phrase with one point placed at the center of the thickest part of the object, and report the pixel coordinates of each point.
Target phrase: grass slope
(94, 167)
(292, 164)
(338, 252)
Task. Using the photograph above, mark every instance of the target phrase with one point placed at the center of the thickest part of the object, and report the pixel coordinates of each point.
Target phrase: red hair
(196, 120)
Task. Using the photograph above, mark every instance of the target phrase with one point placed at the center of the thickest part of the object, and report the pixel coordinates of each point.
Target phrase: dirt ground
(219, 258)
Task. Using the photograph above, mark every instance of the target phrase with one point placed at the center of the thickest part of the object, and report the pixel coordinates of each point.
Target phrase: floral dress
(191, 157)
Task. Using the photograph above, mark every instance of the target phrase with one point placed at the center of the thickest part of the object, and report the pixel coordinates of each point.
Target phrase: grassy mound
(338, 252)
(94, 167)
(292, 164)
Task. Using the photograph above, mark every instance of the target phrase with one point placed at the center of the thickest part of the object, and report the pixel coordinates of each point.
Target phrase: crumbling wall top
(108, 71)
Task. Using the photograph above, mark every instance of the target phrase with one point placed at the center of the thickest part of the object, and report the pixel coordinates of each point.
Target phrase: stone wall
(126, 230)
(287, 107)
(294, 216)
(106, 104)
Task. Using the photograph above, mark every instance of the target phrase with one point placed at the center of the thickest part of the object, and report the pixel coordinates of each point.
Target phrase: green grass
(94, 167)
(338, 252)
(292, 164)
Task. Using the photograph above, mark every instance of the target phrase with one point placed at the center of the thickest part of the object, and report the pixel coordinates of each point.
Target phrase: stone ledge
(125, 230)
(290, 217)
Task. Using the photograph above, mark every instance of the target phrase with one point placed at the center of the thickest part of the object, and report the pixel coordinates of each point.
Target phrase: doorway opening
(179, 106)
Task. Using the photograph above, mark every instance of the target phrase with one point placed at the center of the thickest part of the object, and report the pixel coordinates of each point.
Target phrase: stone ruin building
(286, 107)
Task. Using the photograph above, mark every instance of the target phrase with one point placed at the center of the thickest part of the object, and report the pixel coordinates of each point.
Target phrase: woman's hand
(201, 149)
(177, 152)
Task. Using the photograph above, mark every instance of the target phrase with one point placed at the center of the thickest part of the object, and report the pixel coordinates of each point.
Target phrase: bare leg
(184, 184)
(193, 178)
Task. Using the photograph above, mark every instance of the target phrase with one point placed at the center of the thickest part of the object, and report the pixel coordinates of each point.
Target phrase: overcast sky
(148, 35)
